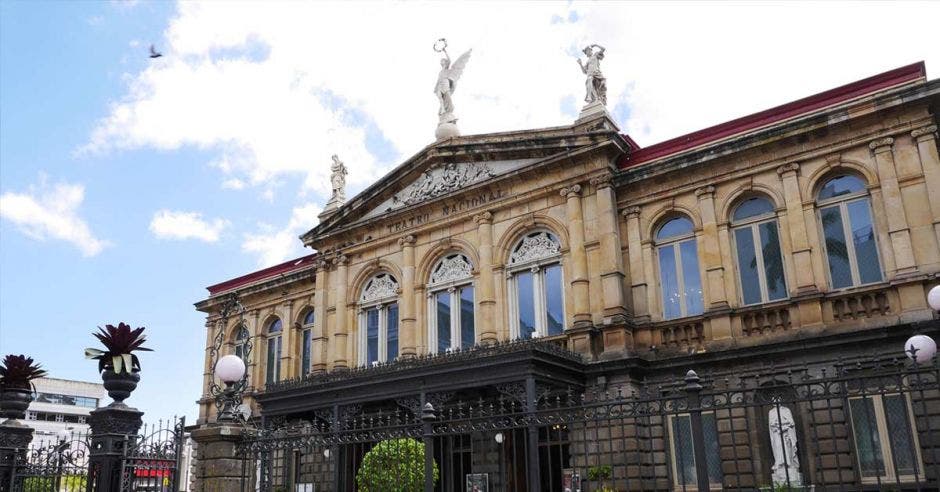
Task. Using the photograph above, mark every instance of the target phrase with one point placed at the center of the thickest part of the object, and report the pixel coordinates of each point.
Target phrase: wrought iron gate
(151, 461)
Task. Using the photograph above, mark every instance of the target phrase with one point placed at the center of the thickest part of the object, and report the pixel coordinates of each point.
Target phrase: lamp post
(933, 298)
(922, 348)
(230, 369)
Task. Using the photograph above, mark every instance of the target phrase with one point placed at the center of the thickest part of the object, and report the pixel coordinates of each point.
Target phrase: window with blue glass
(273, 366)
(848, 232)
(306, 336)
(378, 320)
(679, 279)
(757, 247)
(536, 287)
(450, 304)
(241, 343)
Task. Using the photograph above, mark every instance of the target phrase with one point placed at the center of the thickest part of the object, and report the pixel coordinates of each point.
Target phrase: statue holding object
(595, 84)
(444, 89)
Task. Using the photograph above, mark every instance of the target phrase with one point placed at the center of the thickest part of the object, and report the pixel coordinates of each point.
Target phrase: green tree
(394, 465)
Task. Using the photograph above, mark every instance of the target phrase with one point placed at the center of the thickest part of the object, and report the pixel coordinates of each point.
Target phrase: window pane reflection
(372, 335)
(305, 358)
(899, 430)
(669, 282)
(836, 250)
(443, 320)
(747, 265)
(392, 332)
(863, 238)
(867, 440)
(773, 261)
(693, 283)
(467, 334)
(524, 299)
(553, 300)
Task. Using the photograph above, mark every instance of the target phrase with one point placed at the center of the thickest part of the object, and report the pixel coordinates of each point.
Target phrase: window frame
(753, 223)
(537, 267)
(676, 241)
(842, 201)
(673, 463)
(454, 288)
(278, 339)
(887, 453)
(239, 344)
(382, 304)
(306, 342)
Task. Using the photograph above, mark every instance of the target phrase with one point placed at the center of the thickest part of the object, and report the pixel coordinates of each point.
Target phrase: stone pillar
(340, 331)
(285, 312)
(719, 325)
(486, 290)
(898, 229)
(799, 240)
(217, 464)
(638, 279)
(256, 362)
(318, 345)
(926, 139)
(579, 272)
(611, 262)
(113, 429)
(408, 333)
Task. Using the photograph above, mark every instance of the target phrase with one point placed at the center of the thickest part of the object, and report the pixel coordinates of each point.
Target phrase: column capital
(705, 192)
(930, 132)
(603, 181)
(571, 191)
(322, 265)
(790, 167)
(882, 144)
(408, 240)
(631, 212)
(483, 218)
(341, 260)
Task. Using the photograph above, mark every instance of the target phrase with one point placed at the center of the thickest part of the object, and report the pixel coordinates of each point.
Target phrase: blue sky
(130, 184)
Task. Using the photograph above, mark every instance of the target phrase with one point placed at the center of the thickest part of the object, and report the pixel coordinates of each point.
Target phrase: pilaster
(720, 324)
(579, 272)
(285, 311)
(318, 349)
(802, 252)
(611, 260)
(637, 260)
(486, 290)
(898, 230)
(408, 332)
(926, 141)
(341, 329)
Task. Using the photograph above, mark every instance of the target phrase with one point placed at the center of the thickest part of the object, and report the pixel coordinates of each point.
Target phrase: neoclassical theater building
(800, 234)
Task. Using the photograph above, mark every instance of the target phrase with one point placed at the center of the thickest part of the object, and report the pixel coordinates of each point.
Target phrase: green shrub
(68, 483)
(395, 465)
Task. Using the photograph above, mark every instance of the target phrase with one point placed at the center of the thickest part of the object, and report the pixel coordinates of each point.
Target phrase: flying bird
(153, 52)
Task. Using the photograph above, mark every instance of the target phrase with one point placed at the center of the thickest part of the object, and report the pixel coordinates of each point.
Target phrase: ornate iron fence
(859, 425)
(54, 465)
(151, 461)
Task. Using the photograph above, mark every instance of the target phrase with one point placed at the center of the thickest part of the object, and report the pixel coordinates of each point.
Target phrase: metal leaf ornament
(120, 341)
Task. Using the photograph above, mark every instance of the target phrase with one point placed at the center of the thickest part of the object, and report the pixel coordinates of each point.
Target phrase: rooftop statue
(595, 84)
(444, 89)
(338, 181)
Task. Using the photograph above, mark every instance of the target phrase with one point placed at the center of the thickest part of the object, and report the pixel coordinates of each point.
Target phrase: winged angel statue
(447, 81)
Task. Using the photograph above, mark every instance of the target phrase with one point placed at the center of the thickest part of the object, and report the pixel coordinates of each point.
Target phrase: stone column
(926, 139)
(802, 253)
(898, 229)
(318, 345)
(486, 290)
(611, 262)
(289, 340)
(217, 464)
(113, 429)
(340, 331)
(408, 326)
(256, 362)
(638, 280)
(720, 324)
(579, 272)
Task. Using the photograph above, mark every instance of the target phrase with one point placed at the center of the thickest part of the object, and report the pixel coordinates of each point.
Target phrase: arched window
(757, 244)
(241, 343)
(537, 304)
(845, 220)
(450, 305)
(679, 278)
(306, 342)
(378, 320)
(273, 373)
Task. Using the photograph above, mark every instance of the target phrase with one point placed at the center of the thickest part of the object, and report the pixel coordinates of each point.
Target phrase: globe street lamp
(921, 348)
(933, 298)
(230, 369)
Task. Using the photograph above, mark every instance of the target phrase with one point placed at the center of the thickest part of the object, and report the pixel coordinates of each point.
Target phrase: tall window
(273, 374)
(757, 243)
(683, 454)
(306, 342)
(450, 305)
(885, 443)
(845, 219)
(378, 320)
(537, 304)
(241, 343)
(679, 277)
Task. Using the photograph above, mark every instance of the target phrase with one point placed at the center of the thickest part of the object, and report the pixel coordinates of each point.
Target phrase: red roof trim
(280, 269)
(830, 97)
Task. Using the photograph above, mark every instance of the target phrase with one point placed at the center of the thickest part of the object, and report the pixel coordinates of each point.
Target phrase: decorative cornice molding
(928, 131)
(631, 212)
(483, 218)
(882, 144)
(705, 192)
(570, 191)
(788, 168)
(602, 181)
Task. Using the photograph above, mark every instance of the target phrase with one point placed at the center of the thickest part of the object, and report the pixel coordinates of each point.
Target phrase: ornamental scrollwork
(443, 180)
(451, 269)
(381, 286)
(535, 246)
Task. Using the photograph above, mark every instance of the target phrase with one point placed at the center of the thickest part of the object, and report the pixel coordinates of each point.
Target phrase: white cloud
(51, 211)
(168, 224)
(273, 245)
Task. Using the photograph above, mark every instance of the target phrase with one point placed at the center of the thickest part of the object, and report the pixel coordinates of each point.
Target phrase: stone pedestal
(14, 441)
(113, 430)
(446, 130)
(218, 466)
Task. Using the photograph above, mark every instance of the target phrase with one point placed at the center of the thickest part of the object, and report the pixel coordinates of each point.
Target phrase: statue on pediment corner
(595, 84)
(445, 87)
(338, 174)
